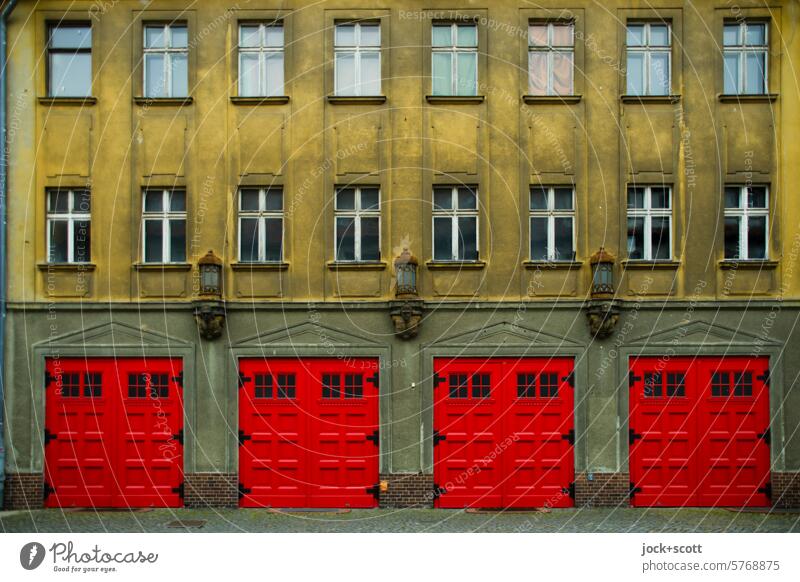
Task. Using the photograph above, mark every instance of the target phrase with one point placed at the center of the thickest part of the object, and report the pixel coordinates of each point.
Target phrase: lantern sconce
(209, 312)
(602, 311)
(406, 310)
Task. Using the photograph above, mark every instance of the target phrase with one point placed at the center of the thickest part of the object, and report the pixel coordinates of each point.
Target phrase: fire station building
(381, 254)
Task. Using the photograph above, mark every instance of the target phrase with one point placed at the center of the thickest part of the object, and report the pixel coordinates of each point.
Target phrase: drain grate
(522, 510)
(187, 523)
(318, 510)
(106, 510)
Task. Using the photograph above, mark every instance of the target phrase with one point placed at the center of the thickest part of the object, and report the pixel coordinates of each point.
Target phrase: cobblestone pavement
(403, 520)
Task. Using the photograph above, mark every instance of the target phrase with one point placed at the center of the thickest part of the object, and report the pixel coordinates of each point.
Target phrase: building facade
(499, 255)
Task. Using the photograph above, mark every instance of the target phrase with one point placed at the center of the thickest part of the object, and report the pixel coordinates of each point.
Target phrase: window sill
(644, 99)
(555, 265)
(66, 266)
(748, 264)
(274, 100)
(644, 265)
(260, 266)
(455, 265)
(356, 266)
(356, 99)
(454, 99)
(765, 98)
(81, 101)
(551, 99)
(166, 101)
(162, 266)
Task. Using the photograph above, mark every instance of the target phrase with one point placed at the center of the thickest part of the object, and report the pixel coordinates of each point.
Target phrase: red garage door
(504, 432)
(114, 432)
(308, 432)
(699, 432)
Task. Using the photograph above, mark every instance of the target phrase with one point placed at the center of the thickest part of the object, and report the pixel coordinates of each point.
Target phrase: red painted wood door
(308, 432)
(699, 431)
(504, 432)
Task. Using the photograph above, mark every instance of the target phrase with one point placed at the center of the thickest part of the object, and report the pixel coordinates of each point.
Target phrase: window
(745, 58)
(676, 384)
(166, 60)
(653, 385)
(455, 223)
(353, 386)
(648, 49)
(260, 60)
(526, 385)
(69, 385)
(458, 386)
(481, 386)
(552, 219)
(148, 385)
(454, 67)
(358, 218)
(286, 386)
(746, 222)
(68, 226)
(649, 223)
(260, 225)
(357, 59)
(263, 383)
(331, 386)
(164, 226)
(69, 60)
(720, 384)
(550, 58)
(92, 384)
(548, 385)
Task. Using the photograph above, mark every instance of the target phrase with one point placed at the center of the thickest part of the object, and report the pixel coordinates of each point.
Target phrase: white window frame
(167, 50)
(262, 50)
(71, 217)
(648, 213)
(165, 215)
(551, 50)
(262, 214)
(647, 50)
(744, 213)
(551, 213)
(741, 50)
(454, 49)
(358, 50)
(454, 213)
(356, 214)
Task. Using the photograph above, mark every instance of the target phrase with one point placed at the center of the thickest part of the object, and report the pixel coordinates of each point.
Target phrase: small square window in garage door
(114, 432)
(699, 431)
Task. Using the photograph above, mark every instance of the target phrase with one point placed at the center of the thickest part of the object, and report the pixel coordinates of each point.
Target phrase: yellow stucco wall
(406, 145)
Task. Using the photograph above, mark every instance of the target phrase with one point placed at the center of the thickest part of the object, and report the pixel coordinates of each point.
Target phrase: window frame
(358, 50)
(550, 50)
(167, 51)
(262, 50)
(648, 213)
(356, 213)
(454, 213)
(50, 25)
(262, 214)
(647, 50)
(744, 213)
(741, 50)
(551, 213)
(71, 217)
(164, 216)
(454, 50)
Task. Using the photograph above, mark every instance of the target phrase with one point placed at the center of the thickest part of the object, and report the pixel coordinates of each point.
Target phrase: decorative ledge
(644, 99)
(750, 265)
(551, 99)
(555, 265)
(356, 266)
(274, 100)
(166, 101)
(765, 98)
(259, 266)
(73, 101)
(454, 99)
(162, 266)
(66, 266)
(455, 265)
(641, 265)
(356, 99)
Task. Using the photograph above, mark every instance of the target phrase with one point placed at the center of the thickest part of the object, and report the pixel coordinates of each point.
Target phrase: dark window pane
(635, 197)
(562, 198)
(370, 250)
(757, 237)
(659, 241)
(286, 386)
(346, 199)
(58, 241)
(466, 199)
(538, 198)
(248, 199)
(442, 199)
(480, 386)
(82, 202)
(274, 239)
(58, 201)
(274, 199)
(548, 385)
(68, 385)
(345, 239)
(353, 386)
(539, 239)
(563, 239)
(92, 385)
(732, 246)
(676, 384)
(331, 386)
(652, 385)
(757, 197)
(636, 238)
(468, 238)
(263, 384)
(659, 197)
(720, 384)
(743, 384)
(732, 197)
(442, 239)
(177, 201)
(153, 241)
(369, 199)
(248, 237)
(177, 231)
(526, 385)
(154, 201)
(82, 243)
(458, 385)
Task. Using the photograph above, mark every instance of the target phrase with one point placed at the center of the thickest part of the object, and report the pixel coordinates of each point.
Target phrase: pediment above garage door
(697, 333)
(505, 334)
(113, 335)
(306, 334)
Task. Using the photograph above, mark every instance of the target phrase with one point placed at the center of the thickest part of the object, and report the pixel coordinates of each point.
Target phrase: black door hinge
(633, 489)
(178, 379)
(633, 379)
(243, 437)
(47, 489)
(764, 377)
(374, 380)
(375, 491)
(374, 437)
(438, 491)
(178, 436)
(570, 490)
(244, 490)
(49, 436)
(632, 436)
(48, 378)
(766, 436)
(569, 379)
(438, 437)
(180, 489)
(570, 436)
(437, 379)
(243, 379)
(766, 489)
